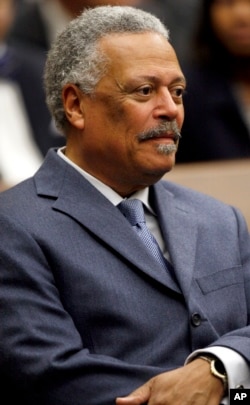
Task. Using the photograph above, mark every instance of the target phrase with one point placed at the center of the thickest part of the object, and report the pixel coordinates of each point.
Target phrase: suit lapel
(180, 232)
(74, 195)
(107, 223)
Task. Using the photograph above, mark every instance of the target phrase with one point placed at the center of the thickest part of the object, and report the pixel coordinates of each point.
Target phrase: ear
(73, 105)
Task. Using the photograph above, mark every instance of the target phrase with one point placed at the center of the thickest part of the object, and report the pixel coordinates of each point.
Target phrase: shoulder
(209, 213)
(196, 201)
(17, 197)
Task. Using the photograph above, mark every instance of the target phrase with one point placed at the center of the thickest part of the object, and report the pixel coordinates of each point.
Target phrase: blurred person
(97, 302)
(38, 21)
(180, 17)
(25, 123)
(217, 103)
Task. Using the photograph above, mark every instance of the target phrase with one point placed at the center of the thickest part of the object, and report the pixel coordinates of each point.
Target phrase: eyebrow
(153, 78)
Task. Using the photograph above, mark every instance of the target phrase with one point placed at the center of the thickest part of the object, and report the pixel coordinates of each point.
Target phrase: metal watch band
(214, 370)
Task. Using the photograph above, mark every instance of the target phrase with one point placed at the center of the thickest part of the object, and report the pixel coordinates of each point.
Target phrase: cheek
(126, 117)
(113, 109)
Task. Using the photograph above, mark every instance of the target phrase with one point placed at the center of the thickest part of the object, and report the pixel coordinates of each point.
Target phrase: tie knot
(133, 211)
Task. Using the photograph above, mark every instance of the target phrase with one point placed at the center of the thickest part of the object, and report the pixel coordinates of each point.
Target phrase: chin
(158, 171)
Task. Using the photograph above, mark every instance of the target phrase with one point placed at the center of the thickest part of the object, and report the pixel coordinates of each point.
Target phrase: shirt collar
(107, 191)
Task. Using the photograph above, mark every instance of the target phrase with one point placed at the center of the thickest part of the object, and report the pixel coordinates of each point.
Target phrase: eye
(145, 90)
(179, 92)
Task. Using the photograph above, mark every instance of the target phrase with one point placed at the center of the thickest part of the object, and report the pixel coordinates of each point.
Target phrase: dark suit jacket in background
(29, 28)
(86, 313)
(25, 68)
(214, 128)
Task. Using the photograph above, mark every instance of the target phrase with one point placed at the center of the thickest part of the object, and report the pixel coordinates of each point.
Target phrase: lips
(165, 135)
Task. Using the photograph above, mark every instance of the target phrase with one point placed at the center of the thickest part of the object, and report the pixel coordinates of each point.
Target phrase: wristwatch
(217, 369)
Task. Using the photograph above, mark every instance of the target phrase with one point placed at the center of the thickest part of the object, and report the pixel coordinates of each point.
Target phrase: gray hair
(76, 58)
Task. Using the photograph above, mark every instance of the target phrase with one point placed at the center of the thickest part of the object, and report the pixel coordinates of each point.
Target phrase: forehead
(139, 53)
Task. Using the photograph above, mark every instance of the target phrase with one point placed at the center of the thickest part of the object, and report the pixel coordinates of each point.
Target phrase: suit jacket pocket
(220, 279)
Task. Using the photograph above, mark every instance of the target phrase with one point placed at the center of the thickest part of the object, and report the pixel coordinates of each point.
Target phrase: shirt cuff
(237, 369)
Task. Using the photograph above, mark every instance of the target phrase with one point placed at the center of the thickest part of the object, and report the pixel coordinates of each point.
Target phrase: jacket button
(196, 319)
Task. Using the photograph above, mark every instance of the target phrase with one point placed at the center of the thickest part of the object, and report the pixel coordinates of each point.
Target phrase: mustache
(169, 126)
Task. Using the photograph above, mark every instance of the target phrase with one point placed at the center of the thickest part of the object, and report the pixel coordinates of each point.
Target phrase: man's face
(141, 91)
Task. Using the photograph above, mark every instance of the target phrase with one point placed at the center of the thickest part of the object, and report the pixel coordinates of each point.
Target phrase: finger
(128, 401)
(138, 397)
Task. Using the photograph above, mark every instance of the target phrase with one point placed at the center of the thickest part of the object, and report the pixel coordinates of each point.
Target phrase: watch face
(219, 367)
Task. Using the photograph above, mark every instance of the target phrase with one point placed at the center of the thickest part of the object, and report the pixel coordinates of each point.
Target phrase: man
(88, 315)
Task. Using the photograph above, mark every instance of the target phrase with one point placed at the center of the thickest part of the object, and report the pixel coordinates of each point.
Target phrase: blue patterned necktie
(134, 213)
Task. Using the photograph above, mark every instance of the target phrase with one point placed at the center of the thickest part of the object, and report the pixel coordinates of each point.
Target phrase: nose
(165, 106)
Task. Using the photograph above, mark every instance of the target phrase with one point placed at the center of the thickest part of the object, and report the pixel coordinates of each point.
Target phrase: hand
(192, 384)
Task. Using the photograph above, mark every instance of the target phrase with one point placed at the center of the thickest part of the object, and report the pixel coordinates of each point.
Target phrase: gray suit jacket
(86, 314)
